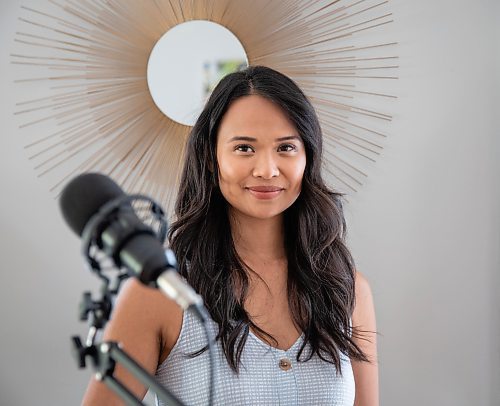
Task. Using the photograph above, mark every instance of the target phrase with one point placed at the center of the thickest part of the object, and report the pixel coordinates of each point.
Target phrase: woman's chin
(263, 214)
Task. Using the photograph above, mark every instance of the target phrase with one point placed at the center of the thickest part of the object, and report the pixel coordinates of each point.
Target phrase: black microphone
(122, 235)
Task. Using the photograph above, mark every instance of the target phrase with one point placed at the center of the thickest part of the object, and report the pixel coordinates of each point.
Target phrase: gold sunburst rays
(88, 62)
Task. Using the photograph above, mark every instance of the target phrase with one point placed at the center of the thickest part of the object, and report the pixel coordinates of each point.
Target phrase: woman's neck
(258, 239)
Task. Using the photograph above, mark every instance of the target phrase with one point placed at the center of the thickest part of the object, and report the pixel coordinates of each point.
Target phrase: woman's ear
(210, 162)
(213, 170)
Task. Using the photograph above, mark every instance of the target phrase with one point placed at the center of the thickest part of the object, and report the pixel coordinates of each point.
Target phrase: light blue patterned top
(265, 377)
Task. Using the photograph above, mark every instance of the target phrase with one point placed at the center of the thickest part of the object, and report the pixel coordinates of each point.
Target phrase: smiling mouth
(265, 192)
(265, 189)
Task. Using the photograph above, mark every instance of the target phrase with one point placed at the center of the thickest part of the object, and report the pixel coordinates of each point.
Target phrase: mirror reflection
(187, 63)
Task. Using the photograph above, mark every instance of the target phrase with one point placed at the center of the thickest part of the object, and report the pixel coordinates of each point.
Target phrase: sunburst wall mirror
(124, 80)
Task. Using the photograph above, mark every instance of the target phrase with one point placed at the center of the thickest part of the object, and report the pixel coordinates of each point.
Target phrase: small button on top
(285, 364)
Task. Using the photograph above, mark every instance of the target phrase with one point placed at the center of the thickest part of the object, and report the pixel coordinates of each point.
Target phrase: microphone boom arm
(104, 357)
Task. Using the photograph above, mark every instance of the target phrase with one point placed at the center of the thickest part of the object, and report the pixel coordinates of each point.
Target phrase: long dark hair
(321, 274)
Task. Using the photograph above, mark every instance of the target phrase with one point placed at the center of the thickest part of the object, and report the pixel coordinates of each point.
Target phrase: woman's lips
(265, 192)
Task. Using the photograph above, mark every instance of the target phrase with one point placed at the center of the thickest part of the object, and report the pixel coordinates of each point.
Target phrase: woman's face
(261, 158)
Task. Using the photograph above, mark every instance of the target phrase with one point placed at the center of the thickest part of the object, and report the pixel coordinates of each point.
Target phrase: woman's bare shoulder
(146, 307)
(363, 318)
(363, 289)
(364, 310)
(146, 324)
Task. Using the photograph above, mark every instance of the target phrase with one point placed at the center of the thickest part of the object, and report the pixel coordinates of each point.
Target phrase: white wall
(424, 228)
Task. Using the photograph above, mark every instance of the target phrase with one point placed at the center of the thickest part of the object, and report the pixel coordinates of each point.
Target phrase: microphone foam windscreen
(83, 196)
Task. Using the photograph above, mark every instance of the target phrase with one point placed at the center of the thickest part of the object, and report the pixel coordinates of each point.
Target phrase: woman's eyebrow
(290, 137)
(242, 138)
(251, 139)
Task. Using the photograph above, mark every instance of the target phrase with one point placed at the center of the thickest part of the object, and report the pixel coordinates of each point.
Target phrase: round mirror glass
(187, 63)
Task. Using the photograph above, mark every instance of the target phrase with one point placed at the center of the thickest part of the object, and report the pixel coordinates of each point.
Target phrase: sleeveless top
(268, 376)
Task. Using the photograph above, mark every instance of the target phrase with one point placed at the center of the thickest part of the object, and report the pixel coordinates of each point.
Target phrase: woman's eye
(287, 147)
(243, 148)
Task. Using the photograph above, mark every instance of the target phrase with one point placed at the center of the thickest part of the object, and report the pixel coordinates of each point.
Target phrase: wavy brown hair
(321, 274)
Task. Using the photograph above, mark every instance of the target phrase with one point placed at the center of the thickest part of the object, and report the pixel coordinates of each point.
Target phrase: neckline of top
(268, 346)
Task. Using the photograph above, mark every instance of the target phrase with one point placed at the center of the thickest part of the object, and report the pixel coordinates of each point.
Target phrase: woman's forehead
(257, 117)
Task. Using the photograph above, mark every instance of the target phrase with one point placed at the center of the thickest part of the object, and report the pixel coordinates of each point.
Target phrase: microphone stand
(106, 355)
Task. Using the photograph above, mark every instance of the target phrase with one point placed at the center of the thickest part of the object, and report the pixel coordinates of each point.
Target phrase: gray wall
(424, 229)
(426, 226)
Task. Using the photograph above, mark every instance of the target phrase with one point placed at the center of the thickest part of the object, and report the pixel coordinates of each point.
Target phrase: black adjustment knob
(79, 351)
(86, 306)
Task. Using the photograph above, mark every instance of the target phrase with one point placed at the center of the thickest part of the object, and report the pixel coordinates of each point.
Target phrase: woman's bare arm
(365, 374)
(147, 325)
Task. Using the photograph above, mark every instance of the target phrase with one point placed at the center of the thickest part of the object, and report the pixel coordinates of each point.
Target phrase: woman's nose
(265, 167)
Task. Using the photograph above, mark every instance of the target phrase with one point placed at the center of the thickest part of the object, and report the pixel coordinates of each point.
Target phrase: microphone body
(123, 236)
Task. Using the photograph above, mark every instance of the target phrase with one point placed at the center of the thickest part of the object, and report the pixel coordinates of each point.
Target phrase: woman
(261, 238)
